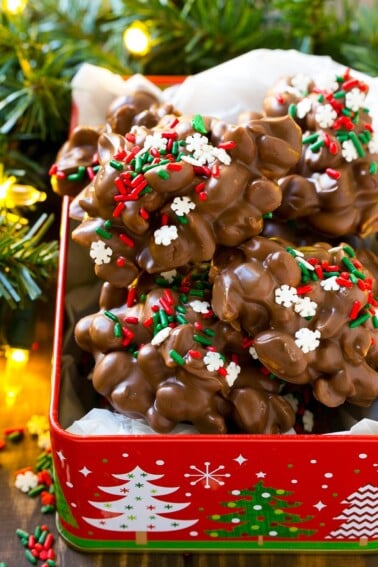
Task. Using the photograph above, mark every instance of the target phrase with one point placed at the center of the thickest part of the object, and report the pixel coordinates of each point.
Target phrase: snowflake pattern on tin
(208, 476)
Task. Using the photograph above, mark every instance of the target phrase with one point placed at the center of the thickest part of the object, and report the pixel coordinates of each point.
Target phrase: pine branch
(27, 263)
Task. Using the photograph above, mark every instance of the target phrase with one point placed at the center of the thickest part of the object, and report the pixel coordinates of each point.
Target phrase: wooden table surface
(17, 510)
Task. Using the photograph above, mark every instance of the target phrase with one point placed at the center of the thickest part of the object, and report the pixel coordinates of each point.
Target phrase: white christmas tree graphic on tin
(361, 516)
(139, 508)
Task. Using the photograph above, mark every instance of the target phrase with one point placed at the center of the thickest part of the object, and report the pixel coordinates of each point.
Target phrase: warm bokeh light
(14, 195)
(17, 356)
(14, 6)
(16, 360)
(137, 39)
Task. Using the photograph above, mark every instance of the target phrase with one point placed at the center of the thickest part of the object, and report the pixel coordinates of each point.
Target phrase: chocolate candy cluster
(333, 188)
(202, 319)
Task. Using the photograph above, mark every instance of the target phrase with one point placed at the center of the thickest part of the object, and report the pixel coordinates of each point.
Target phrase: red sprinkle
(222, 371)
(121, 261)
(131, 320)
(333, 173)
(127, 240)
(215, 171)
(131, 296)
(304, 289)
(200, 187)
(130, 137)
(229, 145)
(53, 169)
(144, 213)
(355, 310)
(118, 210)
(202, 196)
(168, 294)
(164, 219)
(333, 148)
(194, 353)
(343, 282)
(174, 167)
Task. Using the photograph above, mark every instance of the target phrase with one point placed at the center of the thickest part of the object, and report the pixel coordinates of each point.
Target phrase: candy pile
(232, 295)
(38, 545)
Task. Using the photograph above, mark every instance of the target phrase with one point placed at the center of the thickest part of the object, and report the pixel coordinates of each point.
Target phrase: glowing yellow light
(17, 356)
(14, 195)
(14, 6)
(137, 40)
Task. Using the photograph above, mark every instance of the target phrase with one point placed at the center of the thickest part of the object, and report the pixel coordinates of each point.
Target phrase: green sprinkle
(116, 164)
(143, 297)
(267, 216)
(359, 274)
(175, 147)
(163, 174)
(339, 94)
(118, 330)
(291, 251)
(202, 340)
(146, 190)
(357, 144)
(196, 292)
(74, 177)
(209, 332)
(349, 250)
(321, 98)
(183, 298)
(375, 321)
(348, 264)
(359, 321)
(346, 112)
(111, 316)
(47, 509)
(103, 233)
(138, 164)
(292, 110)
(30, 557)
(181, 309)
(311, 138)
(316, 147)
(373, 168)
(108, 224)
(181, 319)
(199, 124)
(163, 318)
(36, 490)
(22, 533)
(353, 278)
(43, 537)
(182, 219)
(177, 357)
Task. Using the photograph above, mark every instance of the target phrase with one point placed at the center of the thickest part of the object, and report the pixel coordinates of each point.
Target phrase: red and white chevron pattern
(361, 516)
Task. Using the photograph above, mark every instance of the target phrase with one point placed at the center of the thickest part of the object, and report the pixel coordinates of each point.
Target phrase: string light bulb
(14, 195)
(137, 39)
(14, 7)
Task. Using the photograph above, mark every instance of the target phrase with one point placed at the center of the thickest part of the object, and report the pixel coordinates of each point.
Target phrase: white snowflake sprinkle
(355, 99)
(348, 151)
(286, 295)
(325, 115)
(307, 340)
(213, 361)
(182, 206)
(155, 140)
(100, 253)
(26, 481)
(169, 275)
(305, 307)
(330, 284)
(301, 83)
(165, 235)
(200, 306)
(252, 351)
(303, 107)
(373, 145)
(205, 155)
(308, 420)
(327, 82)
(191, 160)
(161, 336)
(233, 371)
(195, 142)
(323, 182)
(222, 155)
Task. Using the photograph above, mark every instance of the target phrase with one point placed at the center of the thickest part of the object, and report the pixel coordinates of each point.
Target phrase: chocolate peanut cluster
(333, 188)
(167, 196)
(162, 354)
(311, 312)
